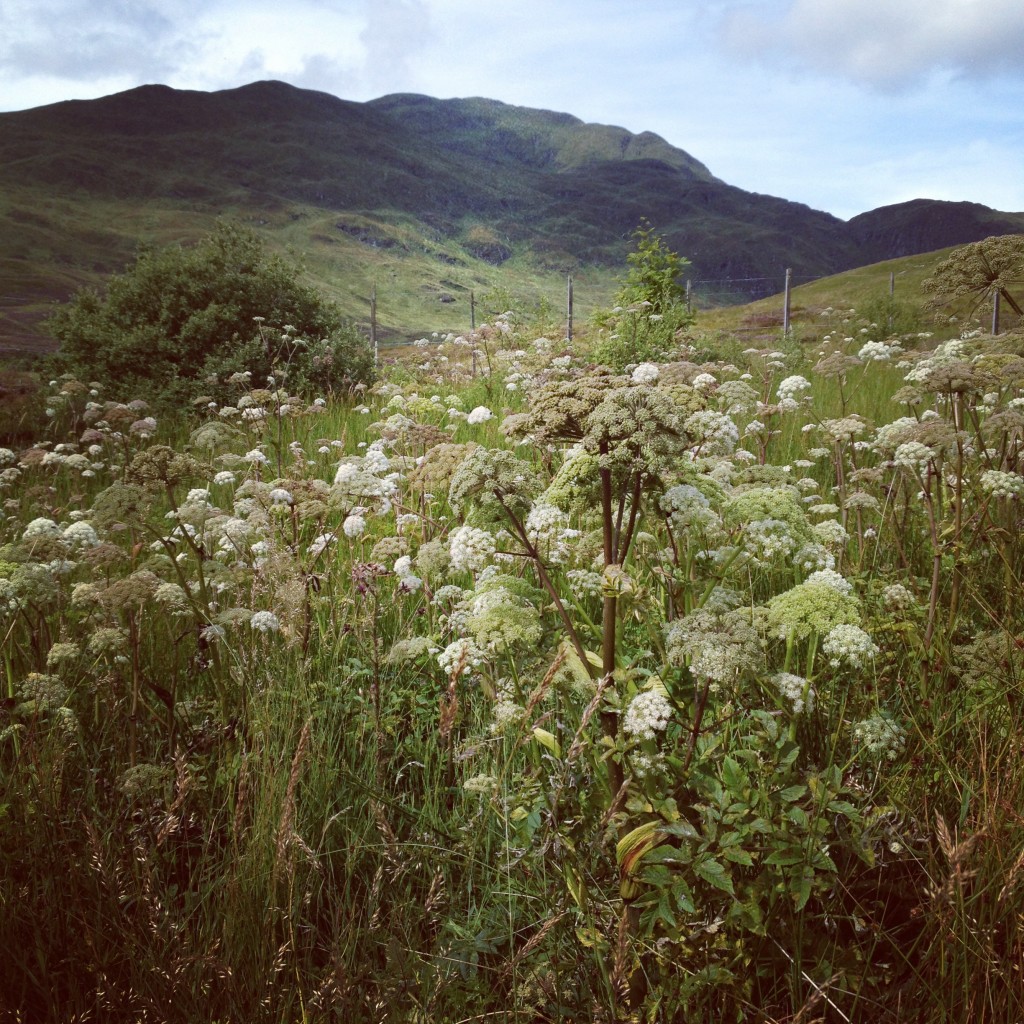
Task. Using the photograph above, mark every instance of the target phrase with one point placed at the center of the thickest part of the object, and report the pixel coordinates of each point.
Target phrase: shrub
(180, 315)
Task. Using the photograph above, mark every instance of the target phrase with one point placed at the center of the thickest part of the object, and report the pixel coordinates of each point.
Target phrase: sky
(845, 105)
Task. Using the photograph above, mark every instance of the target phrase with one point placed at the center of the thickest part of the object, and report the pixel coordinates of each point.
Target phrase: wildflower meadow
(683, 684)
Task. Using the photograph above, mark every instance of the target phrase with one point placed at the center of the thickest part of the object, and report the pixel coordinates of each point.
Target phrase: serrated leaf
(842, 807)
(798, 816)
(738, 855)
(715, 873)
(733, 775)
(801, 890)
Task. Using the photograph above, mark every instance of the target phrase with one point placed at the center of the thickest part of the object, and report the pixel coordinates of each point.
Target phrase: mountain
(425, 200)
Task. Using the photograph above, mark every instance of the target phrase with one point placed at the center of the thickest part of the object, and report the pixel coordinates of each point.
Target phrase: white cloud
(884, 44)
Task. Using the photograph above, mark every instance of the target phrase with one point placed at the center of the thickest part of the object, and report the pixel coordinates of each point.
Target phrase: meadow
(512, 688)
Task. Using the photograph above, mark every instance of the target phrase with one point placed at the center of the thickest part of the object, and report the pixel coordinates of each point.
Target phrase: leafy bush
(181, 315)
(650, 309)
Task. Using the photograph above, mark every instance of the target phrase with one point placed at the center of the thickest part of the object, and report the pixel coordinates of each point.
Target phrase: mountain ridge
(433, 199)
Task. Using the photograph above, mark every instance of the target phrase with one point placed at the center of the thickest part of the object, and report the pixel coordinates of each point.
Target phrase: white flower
(460, 657)
(354, 525)
(648, 713)
(714, 432)
(280, 496)
(1002, 485)
(850, 644)
(80, 535)
(703, 381)
(831, 578)
(470, 548)
(224, 478)
(879, 351)
(879, 736)
(481, 414)
(896, 595)
(256, 457)
(41, 528)
(548, 527)
(265, 622)
(796, 690)
(791, 387)
(913, 455)
(645, 373)
(320, 544)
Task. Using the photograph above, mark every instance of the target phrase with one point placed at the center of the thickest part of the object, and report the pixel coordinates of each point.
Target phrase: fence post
(373, 323)
(995, 311)
(568, 309)
(785, 312)
(689, 306)
(472, 311)
(892, 283)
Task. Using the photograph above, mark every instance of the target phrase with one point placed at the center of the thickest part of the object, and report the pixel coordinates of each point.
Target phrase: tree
(650, 311)
(654, 273)
(180, 315)
(973, 273)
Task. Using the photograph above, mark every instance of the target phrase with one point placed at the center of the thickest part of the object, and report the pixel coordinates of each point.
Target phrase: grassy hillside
(853, 289)
(428, 200)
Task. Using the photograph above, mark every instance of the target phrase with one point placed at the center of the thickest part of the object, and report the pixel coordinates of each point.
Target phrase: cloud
(95, 40)
(396, 32)
(887, 46)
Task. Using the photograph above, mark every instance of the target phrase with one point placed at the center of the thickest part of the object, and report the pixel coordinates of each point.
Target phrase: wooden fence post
(373, 323)
(785, 312)
(568, 309)
(995, 311)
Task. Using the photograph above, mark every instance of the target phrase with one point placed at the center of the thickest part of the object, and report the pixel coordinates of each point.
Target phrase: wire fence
(700, 292)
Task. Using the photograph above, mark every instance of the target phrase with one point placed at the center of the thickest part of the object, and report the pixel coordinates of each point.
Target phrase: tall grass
(319, 782)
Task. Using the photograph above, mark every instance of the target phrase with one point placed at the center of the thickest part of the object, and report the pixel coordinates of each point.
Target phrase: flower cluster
(849, 643)
(879, 737)
(648, 714)
(796, 690)
(460, 657)
(1002, 485)
(470, 548)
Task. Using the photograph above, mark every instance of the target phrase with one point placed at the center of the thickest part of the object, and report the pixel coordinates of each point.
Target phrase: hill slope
(426, 200)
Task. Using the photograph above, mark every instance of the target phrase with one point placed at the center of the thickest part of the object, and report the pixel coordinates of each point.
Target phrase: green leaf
(801, 890)
(843, 807)
(791, 793)
(715, 873)
(683, 897)
(786, 857)
(798, 816)
(683, 829)
(547, 739)
(738, 855)
(733, 775)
